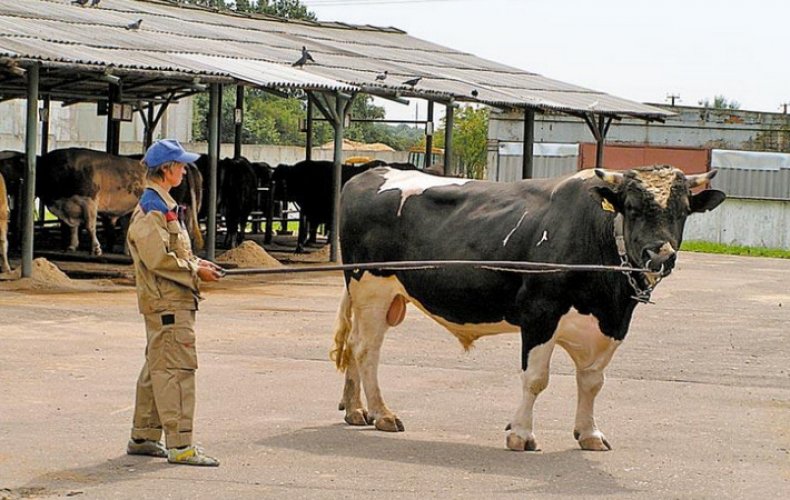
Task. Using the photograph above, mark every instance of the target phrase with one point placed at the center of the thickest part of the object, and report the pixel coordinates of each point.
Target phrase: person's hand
(208, 271)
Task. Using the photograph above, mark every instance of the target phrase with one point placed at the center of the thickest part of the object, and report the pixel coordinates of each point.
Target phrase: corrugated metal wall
(750, 174)
(505, 161)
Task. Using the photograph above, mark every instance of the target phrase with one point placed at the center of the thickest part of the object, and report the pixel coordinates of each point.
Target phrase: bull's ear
(608, 198)
(706, 200)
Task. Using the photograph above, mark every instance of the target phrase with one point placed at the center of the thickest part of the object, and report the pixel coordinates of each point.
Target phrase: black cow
(239, 195)
(634, 218)
(309, 184)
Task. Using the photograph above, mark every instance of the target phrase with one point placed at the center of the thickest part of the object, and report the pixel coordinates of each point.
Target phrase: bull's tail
(194, 228)
(341, 354)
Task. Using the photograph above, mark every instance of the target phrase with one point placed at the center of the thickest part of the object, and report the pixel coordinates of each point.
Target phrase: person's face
(174, 174)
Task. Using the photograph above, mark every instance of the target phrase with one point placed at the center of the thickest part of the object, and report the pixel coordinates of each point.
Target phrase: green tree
(720, 102)
(470, 133)
(289, 9)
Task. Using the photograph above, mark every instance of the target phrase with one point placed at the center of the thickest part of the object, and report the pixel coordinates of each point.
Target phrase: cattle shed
(139, 56)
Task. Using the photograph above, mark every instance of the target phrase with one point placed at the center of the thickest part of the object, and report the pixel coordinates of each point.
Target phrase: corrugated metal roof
(260, 49)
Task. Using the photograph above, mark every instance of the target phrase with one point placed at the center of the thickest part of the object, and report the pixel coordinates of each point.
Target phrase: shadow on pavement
(567, 472)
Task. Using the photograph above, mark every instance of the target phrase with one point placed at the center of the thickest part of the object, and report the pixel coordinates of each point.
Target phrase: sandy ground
(696, 403)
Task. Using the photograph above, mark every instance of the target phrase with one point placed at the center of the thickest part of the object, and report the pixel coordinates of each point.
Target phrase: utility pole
(672, 98)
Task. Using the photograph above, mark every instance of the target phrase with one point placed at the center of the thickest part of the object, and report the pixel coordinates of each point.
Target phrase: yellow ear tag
(607, 206)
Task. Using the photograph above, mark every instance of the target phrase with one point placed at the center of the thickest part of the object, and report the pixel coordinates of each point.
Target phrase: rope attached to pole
(491, 265)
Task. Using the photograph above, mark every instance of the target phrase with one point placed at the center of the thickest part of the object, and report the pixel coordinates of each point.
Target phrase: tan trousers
(165, 398)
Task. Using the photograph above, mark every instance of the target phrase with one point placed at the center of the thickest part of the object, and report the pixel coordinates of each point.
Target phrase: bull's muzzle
(659, 258)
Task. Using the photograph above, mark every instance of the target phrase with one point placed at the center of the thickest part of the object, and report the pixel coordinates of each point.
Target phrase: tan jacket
(165, 269)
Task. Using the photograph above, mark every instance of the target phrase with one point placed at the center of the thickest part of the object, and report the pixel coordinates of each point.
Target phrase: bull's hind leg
(356, 413)
(591, 352)
(372, 301)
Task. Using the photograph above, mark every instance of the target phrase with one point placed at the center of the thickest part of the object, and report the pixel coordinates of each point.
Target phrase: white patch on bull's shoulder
(410, 183)
(504, 242)
(658, 182)
(585, 174)
(543, 238)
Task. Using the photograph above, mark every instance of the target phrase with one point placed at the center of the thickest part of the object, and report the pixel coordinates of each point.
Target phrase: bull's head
(654, 203)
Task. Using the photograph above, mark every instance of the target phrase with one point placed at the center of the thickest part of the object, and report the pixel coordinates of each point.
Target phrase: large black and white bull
(78, 185)
(389, 215)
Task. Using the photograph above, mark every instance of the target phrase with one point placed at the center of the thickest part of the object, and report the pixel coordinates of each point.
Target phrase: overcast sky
(636, 49)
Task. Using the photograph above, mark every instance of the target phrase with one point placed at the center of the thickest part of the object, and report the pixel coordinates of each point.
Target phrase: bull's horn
(614, 178)
(700, 179)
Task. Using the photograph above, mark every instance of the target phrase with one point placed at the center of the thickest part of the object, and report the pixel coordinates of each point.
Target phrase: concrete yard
(696, 403)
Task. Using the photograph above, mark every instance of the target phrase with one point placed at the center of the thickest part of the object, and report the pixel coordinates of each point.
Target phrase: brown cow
(79, 184)
(4, 217)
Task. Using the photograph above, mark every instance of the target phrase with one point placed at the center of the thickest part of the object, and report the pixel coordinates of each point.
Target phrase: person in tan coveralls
(167, 276)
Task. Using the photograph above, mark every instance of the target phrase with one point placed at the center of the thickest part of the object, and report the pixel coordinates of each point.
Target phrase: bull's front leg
(534, 379)
(591, 355)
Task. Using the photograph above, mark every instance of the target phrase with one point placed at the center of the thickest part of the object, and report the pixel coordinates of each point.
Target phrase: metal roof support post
(113, 126)
(238, 120)
(599, 131)
(308, 142)
(31, 136)
(529, 141)
(149, 128)
(428, 137)
(601, 138)
(44, 149)
(341, 105)
(448, 139)
(213, 155)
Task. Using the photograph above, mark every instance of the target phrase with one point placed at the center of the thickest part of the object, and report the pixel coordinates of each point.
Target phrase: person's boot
(191, 455)
(146, 447)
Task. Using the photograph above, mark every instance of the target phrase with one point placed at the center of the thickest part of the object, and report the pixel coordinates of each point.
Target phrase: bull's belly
(576, 332)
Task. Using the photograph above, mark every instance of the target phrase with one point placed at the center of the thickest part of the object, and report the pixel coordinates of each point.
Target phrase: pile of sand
(47, 277)
(247, 255)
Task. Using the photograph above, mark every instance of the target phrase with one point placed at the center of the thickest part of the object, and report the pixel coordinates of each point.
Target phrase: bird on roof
(135, 25)
(413, 81)
(81, 3)
(474, 92)
(95, 3)
(304, 58)
(381, 76)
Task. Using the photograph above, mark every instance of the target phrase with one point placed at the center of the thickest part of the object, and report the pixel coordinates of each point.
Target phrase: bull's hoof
(517, 443)
(389, 424)
(358, 417)
(596, 442)
(96, 252)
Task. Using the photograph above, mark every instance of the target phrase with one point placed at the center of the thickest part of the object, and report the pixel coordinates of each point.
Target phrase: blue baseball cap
(165, 151)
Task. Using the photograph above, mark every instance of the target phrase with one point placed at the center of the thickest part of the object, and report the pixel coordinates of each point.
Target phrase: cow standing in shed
(79, 184)
(634, 218)
(309, 184)
(5, 213)
(12, 168)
